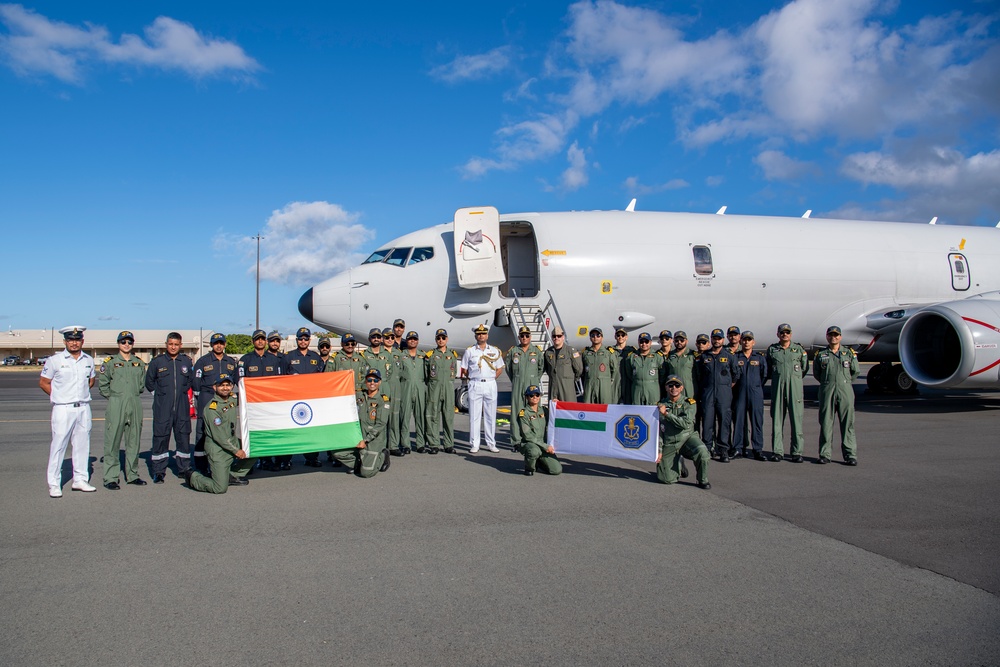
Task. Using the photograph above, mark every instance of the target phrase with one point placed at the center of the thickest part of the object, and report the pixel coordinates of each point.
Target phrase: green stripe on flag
(580, 425)
(305, 440)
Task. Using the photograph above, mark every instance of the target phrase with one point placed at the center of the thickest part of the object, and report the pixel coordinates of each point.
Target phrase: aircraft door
(960, 280)
(478, 261)
(520, 260)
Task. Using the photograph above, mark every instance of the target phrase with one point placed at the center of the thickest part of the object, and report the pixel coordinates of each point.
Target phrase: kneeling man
(371, 456)
(226, 458)
(678, 438)
(532, 421)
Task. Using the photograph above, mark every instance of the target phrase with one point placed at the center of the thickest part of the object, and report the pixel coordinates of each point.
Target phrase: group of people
(711, 399)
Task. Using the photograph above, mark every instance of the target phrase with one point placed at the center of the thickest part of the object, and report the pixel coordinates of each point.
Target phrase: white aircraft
(926, 295)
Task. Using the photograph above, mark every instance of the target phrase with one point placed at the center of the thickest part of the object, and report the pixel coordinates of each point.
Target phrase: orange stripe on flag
(298, 387)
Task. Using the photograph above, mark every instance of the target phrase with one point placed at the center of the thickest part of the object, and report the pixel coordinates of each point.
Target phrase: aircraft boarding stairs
(538, 318)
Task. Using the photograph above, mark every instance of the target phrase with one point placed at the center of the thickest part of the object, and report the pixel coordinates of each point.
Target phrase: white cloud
(305, 242)
(525, 141)
(575, 176)
(479, 66)
(38, 45)
(779, 167)
(634, 187)
(940, 181)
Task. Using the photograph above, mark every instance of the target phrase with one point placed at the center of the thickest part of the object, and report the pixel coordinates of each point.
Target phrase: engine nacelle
(953, 344)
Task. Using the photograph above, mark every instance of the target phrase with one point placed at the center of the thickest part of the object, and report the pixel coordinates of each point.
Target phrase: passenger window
(420, 255)
(702, 260)
(377, 256)
(398, 256)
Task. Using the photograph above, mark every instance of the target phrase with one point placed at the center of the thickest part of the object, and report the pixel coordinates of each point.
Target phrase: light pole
(257, 276)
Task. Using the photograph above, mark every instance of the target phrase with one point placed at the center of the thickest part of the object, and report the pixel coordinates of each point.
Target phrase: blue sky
(143, 145)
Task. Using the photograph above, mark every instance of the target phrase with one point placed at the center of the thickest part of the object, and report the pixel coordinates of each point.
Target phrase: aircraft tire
(876, 379)
(900, 381)
(462, 398)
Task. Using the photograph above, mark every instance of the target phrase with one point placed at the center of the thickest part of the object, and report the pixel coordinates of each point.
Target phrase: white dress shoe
(494, 450)
(83, 486)
(473, 450)
(55, 492)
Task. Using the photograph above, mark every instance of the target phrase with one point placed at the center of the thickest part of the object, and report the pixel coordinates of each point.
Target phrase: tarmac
(461, 560)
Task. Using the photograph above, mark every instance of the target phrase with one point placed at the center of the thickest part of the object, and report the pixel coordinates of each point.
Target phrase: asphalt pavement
(460, 559)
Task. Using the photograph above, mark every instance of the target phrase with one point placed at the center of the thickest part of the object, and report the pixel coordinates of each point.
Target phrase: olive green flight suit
(339, 361)
(681, 365)
(533, 445)
(222, 441)
(394, 390)
(600, 369)
(623, 383)
(563, 366)
(786, 368)
(439, 373)
(375, 414)
(524, 368)
(121, 381)
(645, 373)
(678, 438)
(836, 371)
(413, 397)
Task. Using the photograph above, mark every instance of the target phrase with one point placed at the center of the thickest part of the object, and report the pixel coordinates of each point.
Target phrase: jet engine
(954, 344)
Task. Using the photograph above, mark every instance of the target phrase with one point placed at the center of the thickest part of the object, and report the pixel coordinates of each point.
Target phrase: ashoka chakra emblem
(302, 414)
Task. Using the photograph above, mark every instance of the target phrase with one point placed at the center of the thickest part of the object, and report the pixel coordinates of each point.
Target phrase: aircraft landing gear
(889, 378)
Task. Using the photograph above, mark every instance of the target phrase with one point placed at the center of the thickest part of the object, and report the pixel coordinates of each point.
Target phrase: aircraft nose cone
(306, 304)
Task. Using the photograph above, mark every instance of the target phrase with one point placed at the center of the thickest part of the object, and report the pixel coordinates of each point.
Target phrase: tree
(238, 344)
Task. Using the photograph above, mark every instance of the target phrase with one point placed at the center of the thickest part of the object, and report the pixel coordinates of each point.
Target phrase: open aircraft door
(478, 262)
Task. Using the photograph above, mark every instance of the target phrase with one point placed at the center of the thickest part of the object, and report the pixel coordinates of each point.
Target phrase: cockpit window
(398, 256)
(377, 256)
(420, 255)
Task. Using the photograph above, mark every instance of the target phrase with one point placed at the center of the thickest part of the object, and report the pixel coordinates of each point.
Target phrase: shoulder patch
(520, 413)
(692, 401)
(429, 354)
(385, 398)
(213, 405)
(107, 359)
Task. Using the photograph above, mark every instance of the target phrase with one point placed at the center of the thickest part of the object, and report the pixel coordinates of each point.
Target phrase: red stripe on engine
(984, 324)
(983, 370)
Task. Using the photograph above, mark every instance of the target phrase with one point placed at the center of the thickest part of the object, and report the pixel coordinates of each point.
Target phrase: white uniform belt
(78, 404)
(484, 379)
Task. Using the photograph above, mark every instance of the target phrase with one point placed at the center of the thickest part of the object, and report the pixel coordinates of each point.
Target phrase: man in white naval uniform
(481, 365)
(67, 378)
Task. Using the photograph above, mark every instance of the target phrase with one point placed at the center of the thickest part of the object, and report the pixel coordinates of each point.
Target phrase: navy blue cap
(258, 333)
(681, 334)
(784, 326)
(747, 335)
(225, 378)
(444, 332)
(596, 331)
(325, 342)
(217, 338)
(666, 333)
(388, 332)
(834, 330)
(412, 335)
(481, 329)
(702, 338)
(732, 330)
(717, 333)
(126, 335)
(303, 332)
(373, 373)
(644, 337)
(673, 379)
(274, 335)
(374, 332)
(399, 323)
(533, 390)
(346, 338)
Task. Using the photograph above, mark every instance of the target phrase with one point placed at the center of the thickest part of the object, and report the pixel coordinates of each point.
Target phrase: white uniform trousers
(70, 425)
(482, 406)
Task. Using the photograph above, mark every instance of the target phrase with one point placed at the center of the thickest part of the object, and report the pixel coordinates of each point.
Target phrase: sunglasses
(533, 395)
(127, 342)
(557, 335)
(374, 338)
(621, 335)
(351, 342)
(440, 338)
(673, 385)
(370, 380)
(524, 335)
(681, 338)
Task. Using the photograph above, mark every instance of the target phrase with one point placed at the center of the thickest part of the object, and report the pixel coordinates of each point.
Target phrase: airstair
(540, 319)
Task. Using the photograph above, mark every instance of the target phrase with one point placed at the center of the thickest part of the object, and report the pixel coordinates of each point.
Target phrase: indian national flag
(296, 414)
(594, 429)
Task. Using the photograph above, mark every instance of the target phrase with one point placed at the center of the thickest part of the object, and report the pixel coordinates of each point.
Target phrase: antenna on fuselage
(933, 220)
(807, 213)
(721, 211)
(631, 206)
